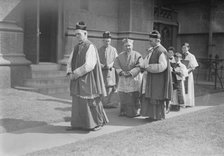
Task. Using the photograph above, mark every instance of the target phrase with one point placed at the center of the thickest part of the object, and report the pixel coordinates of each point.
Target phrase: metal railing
(214, 68)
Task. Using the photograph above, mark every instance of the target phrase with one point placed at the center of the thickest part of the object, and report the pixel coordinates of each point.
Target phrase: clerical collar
(106, 46)
(128, 52)
(171, 57)
(80, 43)
(156, 46)
(185, 54)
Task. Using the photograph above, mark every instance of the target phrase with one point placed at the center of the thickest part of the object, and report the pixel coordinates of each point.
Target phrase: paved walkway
(51, 134)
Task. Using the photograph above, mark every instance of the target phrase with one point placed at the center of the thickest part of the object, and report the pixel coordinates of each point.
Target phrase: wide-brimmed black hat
(80, 25)
(155, 34)
(106, 34)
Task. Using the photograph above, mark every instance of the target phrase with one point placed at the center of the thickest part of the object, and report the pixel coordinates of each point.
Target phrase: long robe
(87, 109)
(129, 87)
(158, 87)
(189, 82)
(107, 56)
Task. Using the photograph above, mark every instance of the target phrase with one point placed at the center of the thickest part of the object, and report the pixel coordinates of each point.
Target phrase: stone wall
(193, 28)
(126, 18)
(194, 25)
(202, 25)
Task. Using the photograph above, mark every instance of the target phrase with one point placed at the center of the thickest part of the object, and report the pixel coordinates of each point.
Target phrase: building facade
(37, 31)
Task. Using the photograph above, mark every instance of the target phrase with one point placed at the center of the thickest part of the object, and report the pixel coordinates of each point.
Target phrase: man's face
(106, 41)
(177, 59)
(170, 53)
(152, 42)
(81, 35)
(184, 49)
(128, 47)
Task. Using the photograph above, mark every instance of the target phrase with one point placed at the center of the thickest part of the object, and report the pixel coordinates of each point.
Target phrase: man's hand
(179, 74)
(190, 70)
(68, 73)
(148, 68)
(127, 74)
(122, 73)
(105, 67)
(142, 69)
(73, 76)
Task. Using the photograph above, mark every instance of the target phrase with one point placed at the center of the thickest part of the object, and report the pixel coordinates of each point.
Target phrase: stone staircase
(47, 78)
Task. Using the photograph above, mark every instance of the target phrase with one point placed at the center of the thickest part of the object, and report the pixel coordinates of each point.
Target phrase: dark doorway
(48, 30)
(168, 34)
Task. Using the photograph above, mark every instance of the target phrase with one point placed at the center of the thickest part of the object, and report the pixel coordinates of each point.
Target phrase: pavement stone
(49, 132)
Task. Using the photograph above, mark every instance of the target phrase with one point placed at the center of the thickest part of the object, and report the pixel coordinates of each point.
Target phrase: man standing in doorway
(107, 55)
(158, 87)
(86, 84)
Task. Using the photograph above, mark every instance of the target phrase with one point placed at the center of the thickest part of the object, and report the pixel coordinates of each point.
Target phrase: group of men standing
(143, 85)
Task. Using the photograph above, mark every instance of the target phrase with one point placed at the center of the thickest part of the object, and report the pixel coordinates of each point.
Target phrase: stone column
(11, 48)
(13, 64)
(69, 41)
(14, 67)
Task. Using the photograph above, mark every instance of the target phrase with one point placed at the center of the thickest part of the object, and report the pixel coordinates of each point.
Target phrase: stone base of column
(5, 77)
(13, 75)
(13, 71)
(14, 67)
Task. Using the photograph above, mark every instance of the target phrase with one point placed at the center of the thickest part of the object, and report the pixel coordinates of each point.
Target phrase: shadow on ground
(10, 125)
(56, 100)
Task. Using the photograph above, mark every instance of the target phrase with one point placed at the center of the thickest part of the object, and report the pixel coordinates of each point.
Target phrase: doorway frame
(32, 31)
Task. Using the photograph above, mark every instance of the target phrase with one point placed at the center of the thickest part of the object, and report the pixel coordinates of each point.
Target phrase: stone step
(47, 78)
(30, 89)
(45, 66)
(39, 82)
(48, 74)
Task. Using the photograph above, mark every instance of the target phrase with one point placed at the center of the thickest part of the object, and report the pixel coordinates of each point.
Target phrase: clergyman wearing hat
(107, 54)
(127, 65)
(158, 86)
(86, 84)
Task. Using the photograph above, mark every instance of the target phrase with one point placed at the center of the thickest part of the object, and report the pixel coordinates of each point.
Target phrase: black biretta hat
(155, 34)
(80, 25)
(106, 34)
